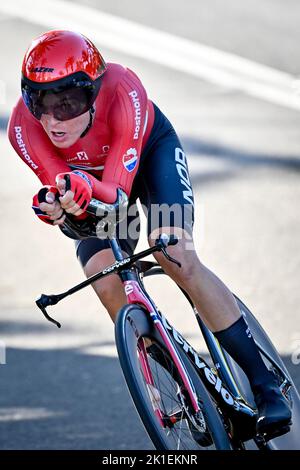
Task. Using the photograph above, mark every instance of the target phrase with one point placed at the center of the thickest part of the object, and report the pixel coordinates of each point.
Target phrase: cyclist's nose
(51, 120)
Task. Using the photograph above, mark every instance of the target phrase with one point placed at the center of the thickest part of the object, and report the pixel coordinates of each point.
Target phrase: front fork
(153, 392)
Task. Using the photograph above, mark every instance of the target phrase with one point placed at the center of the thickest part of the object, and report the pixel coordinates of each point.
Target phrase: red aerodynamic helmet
(61, 74)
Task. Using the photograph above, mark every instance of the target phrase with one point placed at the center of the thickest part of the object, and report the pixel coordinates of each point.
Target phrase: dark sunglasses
(67, 101)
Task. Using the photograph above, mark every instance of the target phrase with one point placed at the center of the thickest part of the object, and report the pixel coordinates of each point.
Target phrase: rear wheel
(162, 401)
(291, 439)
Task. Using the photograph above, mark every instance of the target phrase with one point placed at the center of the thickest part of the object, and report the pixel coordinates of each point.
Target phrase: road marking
(9, 414)
(210, 64)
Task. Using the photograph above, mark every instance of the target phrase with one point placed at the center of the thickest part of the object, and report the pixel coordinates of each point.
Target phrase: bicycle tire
(132, 324)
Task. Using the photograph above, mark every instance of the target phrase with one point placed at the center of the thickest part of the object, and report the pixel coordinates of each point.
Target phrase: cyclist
(90, 123)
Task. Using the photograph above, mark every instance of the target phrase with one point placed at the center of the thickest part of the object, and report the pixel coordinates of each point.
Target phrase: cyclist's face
(63, 134)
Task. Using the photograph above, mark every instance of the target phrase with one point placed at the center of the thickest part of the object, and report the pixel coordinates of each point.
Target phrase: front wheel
(161, 400)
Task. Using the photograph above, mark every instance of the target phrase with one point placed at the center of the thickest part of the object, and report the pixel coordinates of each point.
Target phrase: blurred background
(227, 76)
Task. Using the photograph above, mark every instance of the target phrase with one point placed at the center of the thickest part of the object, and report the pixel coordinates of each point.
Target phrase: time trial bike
(184, 402)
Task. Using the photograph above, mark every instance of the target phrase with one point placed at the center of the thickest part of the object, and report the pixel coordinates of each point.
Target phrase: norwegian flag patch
(130, 159)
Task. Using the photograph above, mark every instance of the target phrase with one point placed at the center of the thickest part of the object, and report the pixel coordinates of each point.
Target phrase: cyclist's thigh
(96, 263)
(94, 257)
(165, 187)
(109, 289)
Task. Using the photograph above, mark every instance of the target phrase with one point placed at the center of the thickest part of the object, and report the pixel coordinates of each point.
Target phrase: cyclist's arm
(32, 144)
(126, 120)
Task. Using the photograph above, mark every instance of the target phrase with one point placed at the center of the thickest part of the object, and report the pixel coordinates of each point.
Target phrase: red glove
(79, 183)
(41, 197)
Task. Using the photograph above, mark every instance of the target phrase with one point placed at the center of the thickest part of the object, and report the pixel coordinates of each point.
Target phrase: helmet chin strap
(91, 111)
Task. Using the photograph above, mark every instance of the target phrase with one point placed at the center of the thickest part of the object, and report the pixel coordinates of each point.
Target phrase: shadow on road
(64, 399)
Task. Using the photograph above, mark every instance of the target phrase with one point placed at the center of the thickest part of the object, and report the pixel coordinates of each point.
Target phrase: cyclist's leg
(167, 197)
(95, 254)
(109, 290)
(213, 300)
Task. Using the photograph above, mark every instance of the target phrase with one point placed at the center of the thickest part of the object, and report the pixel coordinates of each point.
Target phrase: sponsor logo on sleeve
(137, 113)
(130, 159)
(22, 147)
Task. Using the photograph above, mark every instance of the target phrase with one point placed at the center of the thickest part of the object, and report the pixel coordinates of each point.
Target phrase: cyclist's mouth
(58, 136)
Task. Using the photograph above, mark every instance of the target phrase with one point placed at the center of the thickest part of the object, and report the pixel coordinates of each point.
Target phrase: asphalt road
(63, 389)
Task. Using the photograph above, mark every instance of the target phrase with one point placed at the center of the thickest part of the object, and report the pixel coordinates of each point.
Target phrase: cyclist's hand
(46, 206)
(67, 199)
(76, 199)
(53, 209)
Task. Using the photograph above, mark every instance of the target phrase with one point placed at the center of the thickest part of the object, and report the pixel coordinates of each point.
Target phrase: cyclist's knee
(184, 252)
(108, 289)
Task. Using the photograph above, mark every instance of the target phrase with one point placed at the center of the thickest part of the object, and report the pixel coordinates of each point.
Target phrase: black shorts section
(127, 233)
(163, 187)
(85, 249)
